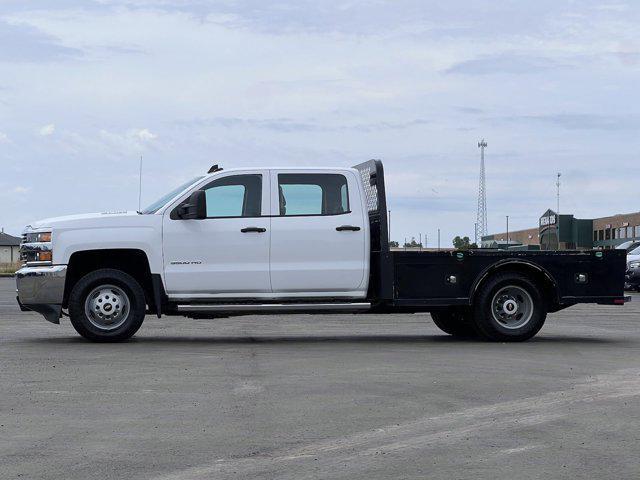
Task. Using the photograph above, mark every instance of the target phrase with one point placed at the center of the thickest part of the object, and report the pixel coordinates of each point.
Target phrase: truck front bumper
(41, 289)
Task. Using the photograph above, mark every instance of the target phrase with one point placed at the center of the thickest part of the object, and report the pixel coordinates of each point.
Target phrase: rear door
(318, 234)
(226, 254)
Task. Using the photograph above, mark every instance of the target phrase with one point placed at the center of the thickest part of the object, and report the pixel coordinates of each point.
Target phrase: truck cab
(268, 233)
(278, 240)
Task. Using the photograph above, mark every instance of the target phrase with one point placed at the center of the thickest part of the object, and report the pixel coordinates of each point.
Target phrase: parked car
(632, 275)
(629, 245)
(290, 240)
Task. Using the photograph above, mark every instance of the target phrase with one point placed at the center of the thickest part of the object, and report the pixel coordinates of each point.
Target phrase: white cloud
(144, 135)
(20, 189)
(4, 138)
(47, 130)
(131, 141)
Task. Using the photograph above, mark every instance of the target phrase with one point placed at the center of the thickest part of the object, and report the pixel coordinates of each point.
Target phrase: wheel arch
(546, 281)
(129, 260)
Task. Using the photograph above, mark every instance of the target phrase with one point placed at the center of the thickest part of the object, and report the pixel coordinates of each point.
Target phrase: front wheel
(107, 306)
(509, 308)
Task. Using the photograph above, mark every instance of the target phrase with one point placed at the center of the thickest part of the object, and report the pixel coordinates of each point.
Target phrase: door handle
(253, 229)
(342, 228)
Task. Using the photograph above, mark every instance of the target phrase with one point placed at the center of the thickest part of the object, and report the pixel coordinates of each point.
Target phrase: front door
(318, 234)
(226, 254)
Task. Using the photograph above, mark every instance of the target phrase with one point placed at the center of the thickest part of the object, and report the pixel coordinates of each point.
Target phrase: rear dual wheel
(457, 322)
(509, 307)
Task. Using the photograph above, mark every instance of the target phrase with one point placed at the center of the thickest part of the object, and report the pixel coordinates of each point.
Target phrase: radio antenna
(140, 187)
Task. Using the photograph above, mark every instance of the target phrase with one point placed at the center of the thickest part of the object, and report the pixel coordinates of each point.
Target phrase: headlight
(36, 237)
(634, 264)
(43, 237)
(36, 248)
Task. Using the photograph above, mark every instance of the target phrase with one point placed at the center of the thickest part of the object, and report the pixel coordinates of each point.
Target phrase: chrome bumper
(41, 289)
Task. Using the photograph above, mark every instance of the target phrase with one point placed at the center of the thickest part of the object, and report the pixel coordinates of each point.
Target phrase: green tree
(463, 243)
(393, 243)
(412, 243)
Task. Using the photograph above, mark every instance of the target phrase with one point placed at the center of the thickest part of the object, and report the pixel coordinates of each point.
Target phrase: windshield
(161, 202)
(635, 251)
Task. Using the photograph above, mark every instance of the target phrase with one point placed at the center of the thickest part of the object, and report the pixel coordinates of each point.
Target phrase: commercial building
(574, 233)
(9, 246)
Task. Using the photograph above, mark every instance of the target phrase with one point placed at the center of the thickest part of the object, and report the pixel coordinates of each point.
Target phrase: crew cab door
(319, 234)
(227, 253)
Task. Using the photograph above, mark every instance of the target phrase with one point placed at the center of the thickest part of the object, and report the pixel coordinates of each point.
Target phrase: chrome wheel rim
(512, 307)
(107, 307)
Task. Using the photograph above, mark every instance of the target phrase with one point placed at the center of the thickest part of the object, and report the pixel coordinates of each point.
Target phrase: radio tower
(481, 219)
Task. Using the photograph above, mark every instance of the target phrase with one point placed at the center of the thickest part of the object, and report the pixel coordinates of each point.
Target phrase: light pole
(438, 239)
(507, 231)
(558, 208)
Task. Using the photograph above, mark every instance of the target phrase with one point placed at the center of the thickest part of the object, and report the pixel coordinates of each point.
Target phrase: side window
(313, 194)
(235, 196)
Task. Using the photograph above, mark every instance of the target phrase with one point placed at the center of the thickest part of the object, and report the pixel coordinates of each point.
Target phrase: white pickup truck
(282, 240)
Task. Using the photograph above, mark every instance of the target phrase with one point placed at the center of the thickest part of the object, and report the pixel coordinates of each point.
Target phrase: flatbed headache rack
(381, 273)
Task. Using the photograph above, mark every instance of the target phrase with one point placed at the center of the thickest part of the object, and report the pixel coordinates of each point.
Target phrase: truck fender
(504, 264)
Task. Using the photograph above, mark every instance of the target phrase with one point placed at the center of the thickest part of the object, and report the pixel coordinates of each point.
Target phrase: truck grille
(27, 255)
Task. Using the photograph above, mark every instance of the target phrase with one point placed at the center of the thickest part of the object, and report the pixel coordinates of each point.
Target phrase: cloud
(24, 43)
(134, 140)
(470, 110)
(581, 121)
(510, 63)
(4, 138)
(47, 130)
(629, 58)
(286, 125)
(144, 135)
(20, 190)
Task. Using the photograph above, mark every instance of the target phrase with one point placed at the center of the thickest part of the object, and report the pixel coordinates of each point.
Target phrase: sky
(87, 87)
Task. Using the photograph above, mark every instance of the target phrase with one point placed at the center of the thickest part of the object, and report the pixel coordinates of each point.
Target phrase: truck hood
(89, 219)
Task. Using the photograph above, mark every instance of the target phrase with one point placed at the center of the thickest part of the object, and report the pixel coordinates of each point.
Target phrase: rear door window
(312, 194)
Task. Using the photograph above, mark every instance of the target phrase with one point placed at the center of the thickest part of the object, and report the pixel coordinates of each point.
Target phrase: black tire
(494, 303)
(119, 288)
(455, 321)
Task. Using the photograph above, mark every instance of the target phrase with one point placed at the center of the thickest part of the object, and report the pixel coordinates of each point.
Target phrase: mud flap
(49, 311)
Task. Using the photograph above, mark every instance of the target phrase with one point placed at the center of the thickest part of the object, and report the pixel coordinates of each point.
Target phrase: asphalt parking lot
(326, 397)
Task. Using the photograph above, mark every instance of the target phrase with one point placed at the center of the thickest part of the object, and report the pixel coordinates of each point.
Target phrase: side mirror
(196, 206)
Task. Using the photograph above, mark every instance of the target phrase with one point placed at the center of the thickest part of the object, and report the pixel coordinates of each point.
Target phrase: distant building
(575, 233)
(9, 246)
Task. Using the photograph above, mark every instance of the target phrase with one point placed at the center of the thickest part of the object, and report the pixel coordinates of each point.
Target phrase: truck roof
(283, 167)
(288, 168)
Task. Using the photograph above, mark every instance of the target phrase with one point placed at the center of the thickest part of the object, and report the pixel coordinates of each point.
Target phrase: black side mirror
(196, 206)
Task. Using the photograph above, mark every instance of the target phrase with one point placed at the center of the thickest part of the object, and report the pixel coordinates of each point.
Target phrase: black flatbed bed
(427, 280)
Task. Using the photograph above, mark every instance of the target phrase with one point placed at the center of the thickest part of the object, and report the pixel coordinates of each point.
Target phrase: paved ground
(335, 397)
